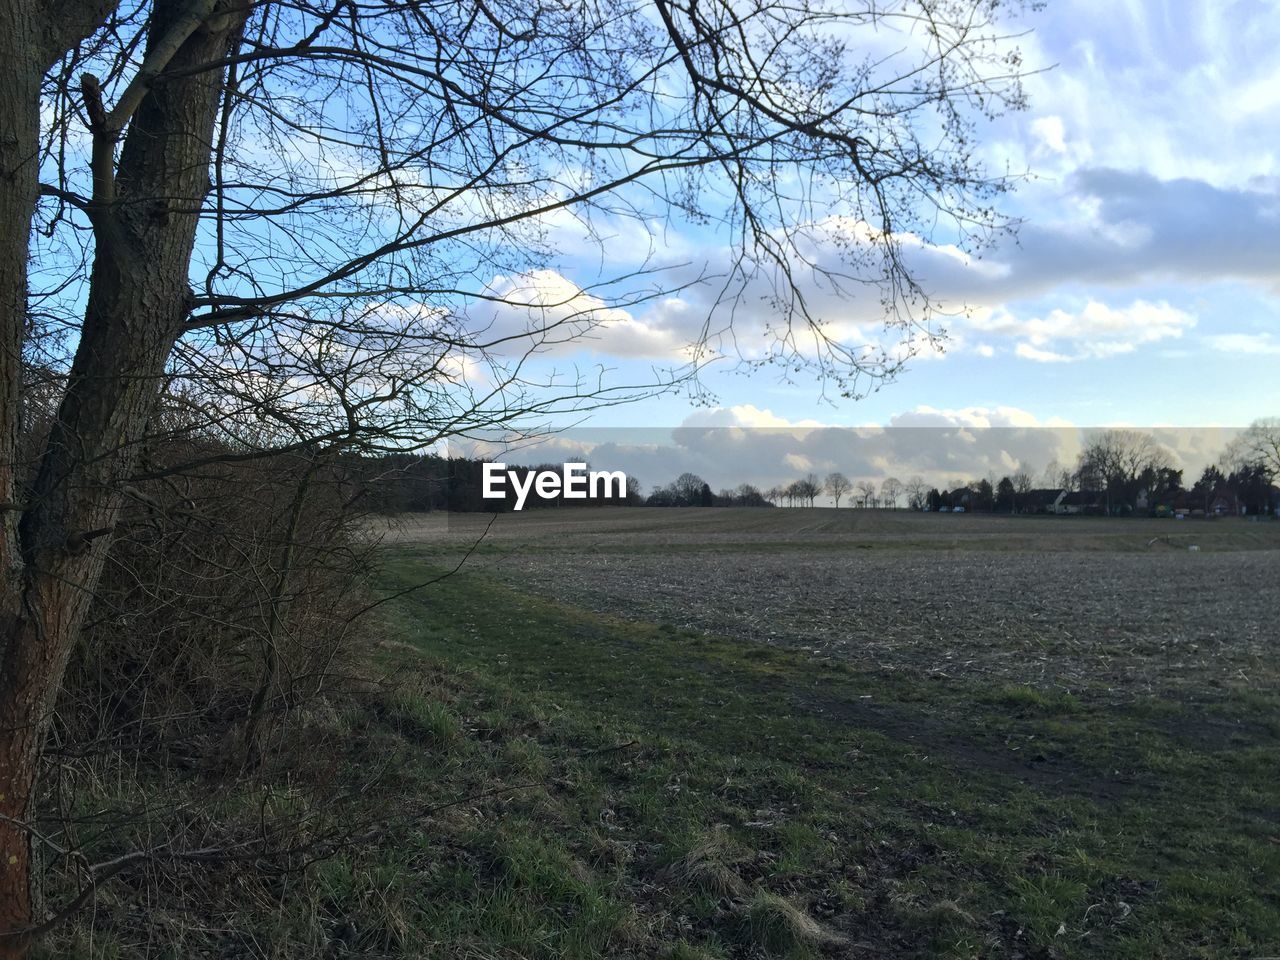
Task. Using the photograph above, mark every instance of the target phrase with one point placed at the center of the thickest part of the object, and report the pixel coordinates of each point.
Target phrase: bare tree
(917, 491)
(688, 489)
(836, 486)
(794, 492)
(1058, 477)
(866, 492)
(807, 488)
(1113, 461)
(316, 221)
(1023, 482)
(890, 490)
(1258, 446)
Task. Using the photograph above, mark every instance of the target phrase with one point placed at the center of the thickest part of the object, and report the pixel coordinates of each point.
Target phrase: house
(1040, 500)
(1080, 501)
(1224, 503)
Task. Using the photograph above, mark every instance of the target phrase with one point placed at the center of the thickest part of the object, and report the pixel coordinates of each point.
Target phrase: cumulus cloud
(744, 415)
(1115, 230)
(1095, 331)
(1133, 197)
(1112, 228)
(972, 417)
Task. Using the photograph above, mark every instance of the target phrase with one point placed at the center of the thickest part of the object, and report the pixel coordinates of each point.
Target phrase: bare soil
(1118, 608)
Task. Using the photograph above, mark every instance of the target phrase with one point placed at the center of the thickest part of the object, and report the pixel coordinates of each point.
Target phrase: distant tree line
(1117, 473)
(1127, 473)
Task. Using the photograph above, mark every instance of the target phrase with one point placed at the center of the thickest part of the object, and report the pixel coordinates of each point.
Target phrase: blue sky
(1144, 288)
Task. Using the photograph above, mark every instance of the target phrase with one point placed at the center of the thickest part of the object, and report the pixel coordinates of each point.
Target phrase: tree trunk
(144, 226)
(19, 149)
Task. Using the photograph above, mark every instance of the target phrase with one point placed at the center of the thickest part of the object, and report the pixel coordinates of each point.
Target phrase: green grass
(920, 816)
(560, 783)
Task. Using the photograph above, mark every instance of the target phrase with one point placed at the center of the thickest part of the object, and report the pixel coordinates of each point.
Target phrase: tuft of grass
(781, 928)
(419, 717)
(1023, 699)
(710, 866)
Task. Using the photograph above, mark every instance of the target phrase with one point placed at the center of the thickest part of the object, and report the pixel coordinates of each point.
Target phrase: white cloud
(543, 312)
(1028, 352)
(1095, 331)
(973, 417)
(1246, 343)
(797, 462)
(744, 415)
(1051, 132)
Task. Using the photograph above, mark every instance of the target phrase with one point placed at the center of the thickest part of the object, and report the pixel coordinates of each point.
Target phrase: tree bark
(145, 222)
(19, 150)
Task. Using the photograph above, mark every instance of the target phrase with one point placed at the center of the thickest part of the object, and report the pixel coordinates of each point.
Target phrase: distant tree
(837, 485)
(1114, 461)
(1006, 496)
(662, 496)
(1057, 477)
(1211, 477)
(1258, 446)
(866, 492)
(807, 489)
(890, 490)
(983, 496)
(917, 491)
(705, 497)
(933, 499)
(775, 494)
(1250, 486)
(1024, 482)
(688, 489)
(1211, 480)
(1159, 481)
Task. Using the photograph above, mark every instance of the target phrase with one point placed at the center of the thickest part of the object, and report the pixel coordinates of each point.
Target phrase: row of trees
(1127, 471)
(1117, 471)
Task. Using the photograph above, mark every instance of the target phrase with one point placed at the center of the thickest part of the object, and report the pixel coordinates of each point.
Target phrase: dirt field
(1115, 608)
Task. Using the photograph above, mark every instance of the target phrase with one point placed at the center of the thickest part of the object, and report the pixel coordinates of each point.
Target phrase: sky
(1144, 285)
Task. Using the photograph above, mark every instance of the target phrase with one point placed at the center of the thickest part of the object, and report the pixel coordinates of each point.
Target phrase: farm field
(816, 733)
